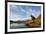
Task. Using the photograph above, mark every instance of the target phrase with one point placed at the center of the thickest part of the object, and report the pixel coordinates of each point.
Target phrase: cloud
(18, 12)
(36, 14)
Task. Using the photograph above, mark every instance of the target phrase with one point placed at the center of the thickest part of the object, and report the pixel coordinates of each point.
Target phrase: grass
(34, 23)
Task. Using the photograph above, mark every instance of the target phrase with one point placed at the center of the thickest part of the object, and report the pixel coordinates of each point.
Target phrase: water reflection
(17, 25)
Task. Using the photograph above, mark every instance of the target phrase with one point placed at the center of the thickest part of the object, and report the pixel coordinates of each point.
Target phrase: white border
(24, 29)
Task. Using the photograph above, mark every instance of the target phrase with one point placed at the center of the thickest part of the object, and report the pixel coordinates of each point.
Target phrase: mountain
(16, 21)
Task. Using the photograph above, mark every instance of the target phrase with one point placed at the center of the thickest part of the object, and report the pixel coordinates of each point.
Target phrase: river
(17, 25)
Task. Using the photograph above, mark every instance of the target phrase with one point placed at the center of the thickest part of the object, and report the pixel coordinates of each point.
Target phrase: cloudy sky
(23, 12)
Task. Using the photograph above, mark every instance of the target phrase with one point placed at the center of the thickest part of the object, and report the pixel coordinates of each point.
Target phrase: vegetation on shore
(36, 22)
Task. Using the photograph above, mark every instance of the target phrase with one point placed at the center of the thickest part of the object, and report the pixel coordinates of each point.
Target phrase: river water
(17, 25)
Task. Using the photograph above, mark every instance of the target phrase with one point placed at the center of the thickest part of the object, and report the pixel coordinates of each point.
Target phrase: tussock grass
(34, 23)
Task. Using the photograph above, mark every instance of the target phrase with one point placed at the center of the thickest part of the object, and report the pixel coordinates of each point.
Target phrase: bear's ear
(32, 17)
